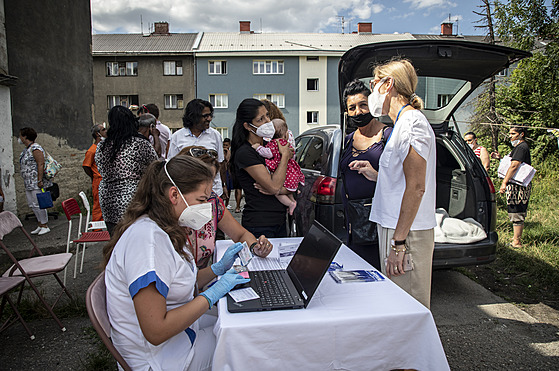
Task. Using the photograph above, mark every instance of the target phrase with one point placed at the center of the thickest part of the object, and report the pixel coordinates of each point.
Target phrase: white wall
(312, 100)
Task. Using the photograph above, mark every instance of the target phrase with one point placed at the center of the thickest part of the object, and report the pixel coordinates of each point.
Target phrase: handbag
(44, 198)
(51, 166)
(54, 191)
(361, 230)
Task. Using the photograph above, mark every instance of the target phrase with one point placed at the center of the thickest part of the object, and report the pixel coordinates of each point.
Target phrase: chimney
(446, 29)
(365, 28)
(161, 28)
(244, 26)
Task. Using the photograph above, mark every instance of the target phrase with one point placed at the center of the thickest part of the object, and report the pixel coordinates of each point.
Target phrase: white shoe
(36, 230)
(229, 207)
(43, 231)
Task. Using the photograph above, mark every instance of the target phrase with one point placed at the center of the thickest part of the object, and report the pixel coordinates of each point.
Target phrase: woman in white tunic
(151, 276)
(404, 202)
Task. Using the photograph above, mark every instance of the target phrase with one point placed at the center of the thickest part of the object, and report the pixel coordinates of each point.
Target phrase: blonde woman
(404, 202)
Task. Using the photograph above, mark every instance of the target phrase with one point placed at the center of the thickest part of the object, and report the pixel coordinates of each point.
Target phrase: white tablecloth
(349, 326)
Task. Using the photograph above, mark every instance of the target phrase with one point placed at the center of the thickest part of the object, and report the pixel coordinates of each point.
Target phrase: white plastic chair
(89, 225)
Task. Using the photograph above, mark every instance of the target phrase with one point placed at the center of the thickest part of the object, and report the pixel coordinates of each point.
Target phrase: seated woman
(203, 240)
(150, 274)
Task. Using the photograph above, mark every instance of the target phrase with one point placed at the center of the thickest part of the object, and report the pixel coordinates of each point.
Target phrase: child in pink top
(294, 176)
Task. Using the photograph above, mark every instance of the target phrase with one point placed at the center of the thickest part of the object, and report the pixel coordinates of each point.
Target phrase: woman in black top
(517, 195)
(263, 214)
(365, 143)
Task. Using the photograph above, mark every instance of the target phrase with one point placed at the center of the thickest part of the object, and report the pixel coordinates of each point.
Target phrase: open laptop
(294, 287)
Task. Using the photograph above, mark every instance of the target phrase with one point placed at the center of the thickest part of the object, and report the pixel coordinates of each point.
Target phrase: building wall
(333, 95)
(310, 100)
(6, 155)
(49, 50)
(240, 83)
(150, 85)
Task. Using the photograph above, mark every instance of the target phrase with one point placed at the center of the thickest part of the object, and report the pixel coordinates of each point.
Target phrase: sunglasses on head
(199, 152)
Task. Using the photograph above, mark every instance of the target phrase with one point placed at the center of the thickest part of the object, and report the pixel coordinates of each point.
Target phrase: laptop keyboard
(271, 288)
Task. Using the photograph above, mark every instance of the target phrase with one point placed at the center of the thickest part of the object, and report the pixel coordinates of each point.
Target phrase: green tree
(530, 97)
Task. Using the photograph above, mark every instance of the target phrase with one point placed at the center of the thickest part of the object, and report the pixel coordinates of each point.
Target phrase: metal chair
(36, 265)
(71, 208)
(96, 304)
(7, 284)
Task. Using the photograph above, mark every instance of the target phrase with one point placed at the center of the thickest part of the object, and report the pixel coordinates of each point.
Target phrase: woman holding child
(263, 214)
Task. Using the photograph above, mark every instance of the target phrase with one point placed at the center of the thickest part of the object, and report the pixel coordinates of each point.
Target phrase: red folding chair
(36, 265)
(71, 208)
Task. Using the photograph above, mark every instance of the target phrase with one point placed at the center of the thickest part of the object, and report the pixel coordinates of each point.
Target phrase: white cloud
(421, 4)
(224, 15)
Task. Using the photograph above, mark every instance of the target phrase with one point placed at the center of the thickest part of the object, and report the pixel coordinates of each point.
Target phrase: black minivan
(449, 71)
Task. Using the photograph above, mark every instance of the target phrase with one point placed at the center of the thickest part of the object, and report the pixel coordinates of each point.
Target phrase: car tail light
(491, 186)
(324, 189)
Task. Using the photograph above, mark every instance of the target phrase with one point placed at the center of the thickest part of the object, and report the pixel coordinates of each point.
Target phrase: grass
(102, 358)
(529, 274)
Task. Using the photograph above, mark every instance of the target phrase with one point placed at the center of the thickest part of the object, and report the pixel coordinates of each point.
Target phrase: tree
(530, 96)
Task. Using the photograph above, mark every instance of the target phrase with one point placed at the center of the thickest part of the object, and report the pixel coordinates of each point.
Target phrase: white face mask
(19, 141)
(195, 216)
(514, 142)
(266, 130)
(471, 145)
(376, 99)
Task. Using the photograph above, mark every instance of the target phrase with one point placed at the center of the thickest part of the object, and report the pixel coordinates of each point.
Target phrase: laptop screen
(312, 259)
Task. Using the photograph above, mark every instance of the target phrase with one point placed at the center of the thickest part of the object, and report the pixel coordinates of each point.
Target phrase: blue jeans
(276, 231)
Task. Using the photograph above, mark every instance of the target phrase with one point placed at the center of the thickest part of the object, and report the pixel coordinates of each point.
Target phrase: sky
(387, 16)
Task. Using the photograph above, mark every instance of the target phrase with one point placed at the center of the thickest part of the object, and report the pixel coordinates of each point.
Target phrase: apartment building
(136, 69)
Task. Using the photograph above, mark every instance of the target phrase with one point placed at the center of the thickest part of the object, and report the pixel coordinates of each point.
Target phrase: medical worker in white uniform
(404, 202)
(158, 319)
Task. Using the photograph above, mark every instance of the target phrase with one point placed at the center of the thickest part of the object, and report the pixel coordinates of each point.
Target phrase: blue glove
(225, 284)
(228, 259)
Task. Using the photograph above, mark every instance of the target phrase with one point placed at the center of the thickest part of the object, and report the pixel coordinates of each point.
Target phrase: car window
(311, 155)
(300, 144)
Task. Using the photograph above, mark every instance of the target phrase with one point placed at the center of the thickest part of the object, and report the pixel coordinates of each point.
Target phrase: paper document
(243, 294)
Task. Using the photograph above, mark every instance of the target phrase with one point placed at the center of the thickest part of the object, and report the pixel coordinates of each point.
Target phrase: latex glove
(225, 284)
(228, 259)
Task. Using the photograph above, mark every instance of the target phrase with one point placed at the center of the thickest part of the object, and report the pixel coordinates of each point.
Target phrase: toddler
(294, 176)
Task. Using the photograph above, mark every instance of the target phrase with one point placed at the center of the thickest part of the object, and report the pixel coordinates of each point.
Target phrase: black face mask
(362, 119)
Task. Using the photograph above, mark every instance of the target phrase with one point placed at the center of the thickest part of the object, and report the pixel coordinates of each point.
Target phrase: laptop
(294, 287)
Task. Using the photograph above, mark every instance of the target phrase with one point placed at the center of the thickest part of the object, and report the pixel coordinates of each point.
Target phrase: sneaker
(44, 231)
(36, 230)
(229, 207)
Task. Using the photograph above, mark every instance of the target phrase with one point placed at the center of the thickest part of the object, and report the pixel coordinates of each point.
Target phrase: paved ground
(478, 329)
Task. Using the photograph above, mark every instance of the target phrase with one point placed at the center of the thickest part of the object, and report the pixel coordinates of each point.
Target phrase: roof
(291, 43)
(111, 44)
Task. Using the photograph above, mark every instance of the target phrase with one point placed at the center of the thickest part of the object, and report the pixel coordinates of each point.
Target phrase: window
(217, 67)
(277, 99)
(174, 101)
(312, 84)
(121, 100)
(312, 58)
(172, 68)
(503, 73)
(267, 67)
(312, 117)
(122, 68)
(309, 152)
(224, 131)
(219, 100)
(443, 99)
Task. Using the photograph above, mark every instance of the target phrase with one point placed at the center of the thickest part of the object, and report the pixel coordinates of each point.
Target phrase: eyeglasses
(373, 83)
(199, 152)
(207, 115)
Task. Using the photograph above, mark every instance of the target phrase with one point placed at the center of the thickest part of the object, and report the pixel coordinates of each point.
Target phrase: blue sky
(414, 16)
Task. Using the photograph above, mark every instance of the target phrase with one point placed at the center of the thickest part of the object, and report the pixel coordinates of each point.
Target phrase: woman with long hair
(151, 276)
(263, 214)
(203, 240)
(121, 160)
(404, 201)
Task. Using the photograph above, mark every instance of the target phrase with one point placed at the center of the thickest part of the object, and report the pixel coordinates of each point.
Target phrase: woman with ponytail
(404, 202)
(157, 317)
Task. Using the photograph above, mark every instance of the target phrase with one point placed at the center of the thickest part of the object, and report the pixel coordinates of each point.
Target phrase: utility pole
(493, 118)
